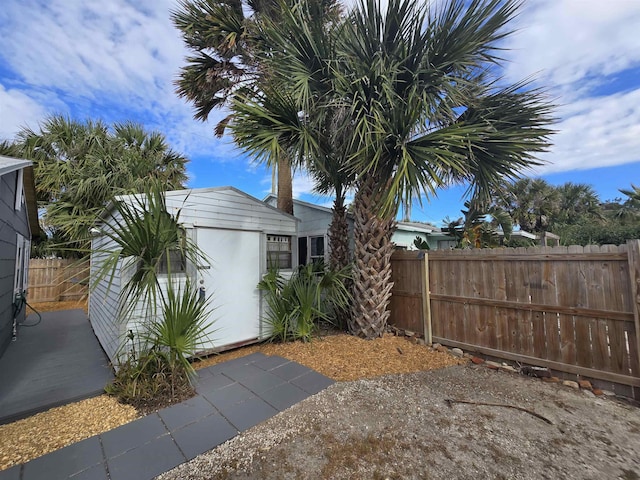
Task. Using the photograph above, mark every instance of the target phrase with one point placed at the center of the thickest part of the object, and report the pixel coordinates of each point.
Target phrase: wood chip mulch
(344, 357)
(45, 432)
(341, 357)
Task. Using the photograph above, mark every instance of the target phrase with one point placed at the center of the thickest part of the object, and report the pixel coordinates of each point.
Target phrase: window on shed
(279, 251)
(174, 262)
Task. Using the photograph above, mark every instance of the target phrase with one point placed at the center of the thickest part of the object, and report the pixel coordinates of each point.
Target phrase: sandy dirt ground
(405, 427)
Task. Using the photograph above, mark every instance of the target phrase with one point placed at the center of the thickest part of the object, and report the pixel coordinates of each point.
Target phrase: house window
(311, 249)
(447, 244)
(278, 251)
(19, 189)
(19, 281)
(316, 249)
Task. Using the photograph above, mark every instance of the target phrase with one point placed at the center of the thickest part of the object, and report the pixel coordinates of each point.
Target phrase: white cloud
(89, 47)
(573, 47)
(569, 41)
(597, 132)
(114, 60)
(17, 110)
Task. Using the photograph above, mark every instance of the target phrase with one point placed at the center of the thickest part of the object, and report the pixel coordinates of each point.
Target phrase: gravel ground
(402, 427)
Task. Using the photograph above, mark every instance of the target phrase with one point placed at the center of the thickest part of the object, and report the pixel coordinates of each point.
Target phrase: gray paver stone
(132, 435)
(202, 436)
(249, 413)
(147, 461)
(65, 462)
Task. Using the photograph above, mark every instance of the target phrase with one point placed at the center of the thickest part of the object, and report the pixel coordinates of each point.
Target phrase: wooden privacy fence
(572, 309)
(57, 280)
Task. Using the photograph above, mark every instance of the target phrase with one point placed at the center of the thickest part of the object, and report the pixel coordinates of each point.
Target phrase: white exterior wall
(224, 208)
(103, 300)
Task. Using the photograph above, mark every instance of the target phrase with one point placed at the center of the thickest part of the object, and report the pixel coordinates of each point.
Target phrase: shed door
(232, 279)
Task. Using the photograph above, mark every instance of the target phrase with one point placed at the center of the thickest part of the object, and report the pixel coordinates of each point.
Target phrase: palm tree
(578, 202)
(473, 230)
(532, 203)
(423, 112)
(224, 36)
(81, 166)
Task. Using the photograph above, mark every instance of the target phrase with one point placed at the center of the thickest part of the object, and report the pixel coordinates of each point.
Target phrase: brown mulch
(341, 357)
(55, 306)
(45, 432)
(344, 357)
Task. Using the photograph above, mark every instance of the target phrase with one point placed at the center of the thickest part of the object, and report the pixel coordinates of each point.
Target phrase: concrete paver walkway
(231, 397)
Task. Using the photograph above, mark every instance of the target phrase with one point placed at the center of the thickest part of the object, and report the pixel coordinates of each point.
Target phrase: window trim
(19, 197)
(290, 251)
(312, 258)
(19, 267)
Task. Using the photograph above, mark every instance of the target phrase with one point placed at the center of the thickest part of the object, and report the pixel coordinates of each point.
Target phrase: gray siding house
(240, 236)
(18, 225)
(313, 239)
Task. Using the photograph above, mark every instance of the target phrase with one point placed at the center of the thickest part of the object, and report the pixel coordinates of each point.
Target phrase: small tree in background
(80, 166)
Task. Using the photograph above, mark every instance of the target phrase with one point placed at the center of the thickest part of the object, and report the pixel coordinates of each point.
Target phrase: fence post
(633, 252)
(426, 302)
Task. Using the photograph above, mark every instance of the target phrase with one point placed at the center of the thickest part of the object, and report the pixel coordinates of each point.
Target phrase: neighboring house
(239, 234)
(406, 233)
(544, 239)
(313, 239)
(18, 225)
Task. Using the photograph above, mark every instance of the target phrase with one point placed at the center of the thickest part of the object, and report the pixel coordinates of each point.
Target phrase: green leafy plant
(420, 243)
(143, 241)
(181, 329)
(295, 306)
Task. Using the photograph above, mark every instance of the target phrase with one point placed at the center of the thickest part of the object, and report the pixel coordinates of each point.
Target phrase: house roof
(8, 165)
(406, 226)
(417, 227)
(272, 196)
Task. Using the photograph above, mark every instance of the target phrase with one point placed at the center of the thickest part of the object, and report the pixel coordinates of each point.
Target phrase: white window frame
(21, 265)
(273, 239)
(307, 240)
(310, 256)
(19, 189)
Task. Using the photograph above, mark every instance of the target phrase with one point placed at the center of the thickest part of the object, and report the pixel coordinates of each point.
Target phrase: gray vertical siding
(11, 222)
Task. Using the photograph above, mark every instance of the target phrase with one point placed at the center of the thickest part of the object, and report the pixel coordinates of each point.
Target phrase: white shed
(239, 234)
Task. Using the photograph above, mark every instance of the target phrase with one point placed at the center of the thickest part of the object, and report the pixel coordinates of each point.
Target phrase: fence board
(56, 280)
(574, 308)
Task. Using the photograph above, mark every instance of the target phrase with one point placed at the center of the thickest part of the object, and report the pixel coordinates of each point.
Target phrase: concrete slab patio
(55, 362)
(231, 397)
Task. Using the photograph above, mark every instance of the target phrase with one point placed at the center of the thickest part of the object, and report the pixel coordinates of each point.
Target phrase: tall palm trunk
(339, 235)
(372, 271)
(285, 185)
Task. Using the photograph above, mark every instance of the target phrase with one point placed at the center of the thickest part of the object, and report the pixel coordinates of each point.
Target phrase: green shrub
(295, 306)
(174, 320)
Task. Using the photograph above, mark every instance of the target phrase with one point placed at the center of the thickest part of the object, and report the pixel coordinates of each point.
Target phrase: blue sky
(117, 59)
